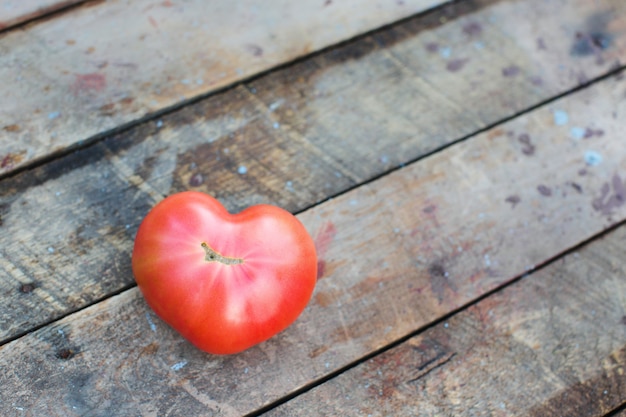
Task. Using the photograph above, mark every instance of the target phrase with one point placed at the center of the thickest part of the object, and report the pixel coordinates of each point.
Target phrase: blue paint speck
(53, 115)
(593, 158)
(242, 169)
(178, 366)
(577, 132)
(445, 52)
(561, 118)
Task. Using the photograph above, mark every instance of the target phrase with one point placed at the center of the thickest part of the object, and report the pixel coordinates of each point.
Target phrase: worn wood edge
(440, 303)
(152, 192)
(330, 391)
(20, 160)
(33, 12)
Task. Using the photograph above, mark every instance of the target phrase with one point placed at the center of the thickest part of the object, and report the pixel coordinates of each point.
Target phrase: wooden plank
(286, 137)
(553, 344)
(109, 63)
(14, 12)
(396, 253)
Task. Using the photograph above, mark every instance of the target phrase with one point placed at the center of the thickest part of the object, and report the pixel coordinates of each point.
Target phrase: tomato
(224, 281)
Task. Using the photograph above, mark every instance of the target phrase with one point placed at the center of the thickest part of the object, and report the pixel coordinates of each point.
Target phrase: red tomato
(225, 282)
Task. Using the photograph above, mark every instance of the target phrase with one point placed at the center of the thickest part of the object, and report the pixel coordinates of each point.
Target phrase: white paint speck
(593, 158)
(50, 249)
(185, 81)
(199, 81)
(276, 125)
(53, 115)
(242, 169)
(151, 323)
(245, 371)
(354, 202)
(446, 325)
(561, 117)
(445, 52)
(479, 45)
(159, 123)
(577, 132)
(179, 365)
(487, 260)
(396, 230)
(276, 104)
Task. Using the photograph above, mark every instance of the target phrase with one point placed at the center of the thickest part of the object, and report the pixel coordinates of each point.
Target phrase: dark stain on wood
(528, 149)
(612, 196)
(594, 38)
(577, 187)
(590, 133)
(27, 288)
(544, 190)
(511, 71)
(12, 128)
(455, 65)
(436, 18)
(66, 353)
(513, 199)
(473, 29)
(440, 281)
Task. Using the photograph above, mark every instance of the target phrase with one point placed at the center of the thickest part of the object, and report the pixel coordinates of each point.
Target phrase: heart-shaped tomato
(224, 281)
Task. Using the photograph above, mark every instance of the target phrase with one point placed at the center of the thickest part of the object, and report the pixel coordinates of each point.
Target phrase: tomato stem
(211, 255)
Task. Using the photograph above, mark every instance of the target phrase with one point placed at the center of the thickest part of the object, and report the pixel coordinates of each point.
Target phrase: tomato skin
(262, 282)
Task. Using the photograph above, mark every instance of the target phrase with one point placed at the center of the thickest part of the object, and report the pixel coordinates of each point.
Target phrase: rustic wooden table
(461, 166)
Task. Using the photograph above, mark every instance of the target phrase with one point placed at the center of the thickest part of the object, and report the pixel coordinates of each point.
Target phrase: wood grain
(553, 344)
(397, 253)
(106, 64)
(14, 12)
(298, 134)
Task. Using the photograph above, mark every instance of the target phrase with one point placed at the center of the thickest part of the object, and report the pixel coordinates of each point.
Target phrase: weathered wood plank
(87, 206)
(13, 12)
(108, 63)
(396, 253)
(551, 345)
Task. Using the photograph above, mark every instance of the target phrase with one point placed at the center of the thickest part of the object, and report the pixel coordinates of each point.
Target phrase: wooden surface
(14, 12)
(446, 184)
(302, 134)
(106, 64)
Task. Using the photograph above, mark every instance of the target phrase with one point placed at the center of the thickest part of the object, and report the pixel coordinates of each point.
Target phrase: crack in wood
(432, 364)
